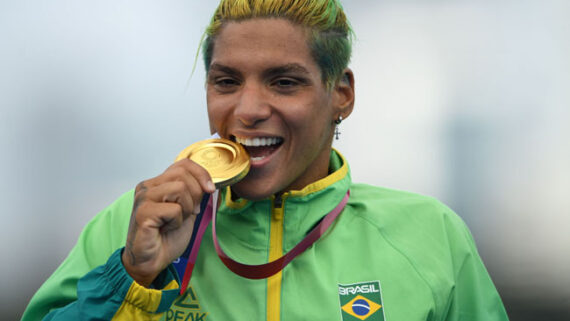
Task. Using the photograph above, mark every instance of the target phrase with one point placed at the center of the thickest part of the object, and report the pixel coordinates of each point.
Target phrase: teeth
(255, 159)
(259, 141)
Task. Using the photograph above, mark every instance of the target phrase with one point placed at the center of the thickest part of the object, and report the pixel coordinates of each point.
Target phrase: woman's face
(265, 91)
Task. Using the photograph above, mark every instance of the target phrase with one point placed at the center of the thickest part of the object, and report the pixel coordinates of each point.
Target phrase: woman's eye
(286, 82)
(226, 82)
(288, 85)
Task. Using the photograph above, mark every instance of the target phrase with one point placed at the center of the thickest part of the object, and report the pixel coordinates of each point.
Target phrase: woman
(277, 83)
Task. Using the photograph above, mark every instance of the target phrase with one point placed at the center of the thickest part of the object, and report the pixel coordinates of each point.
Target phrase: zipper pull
(278, 201)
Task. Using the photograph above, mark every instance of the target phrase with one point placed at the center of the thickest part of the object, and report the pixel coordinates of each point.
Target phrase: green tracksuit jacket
(390, 255)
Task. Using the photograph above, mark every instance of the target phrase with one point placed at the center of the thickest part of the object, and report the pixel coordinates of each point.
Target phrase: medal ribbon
(261, 271)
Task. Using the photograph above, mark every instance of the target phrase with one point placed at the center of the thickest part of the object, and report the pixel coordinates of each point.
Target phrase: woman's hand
(163, 216)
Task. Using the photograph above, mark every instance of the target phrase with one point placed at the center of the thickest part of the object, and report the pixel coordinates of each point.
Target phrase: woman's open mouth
(259, 148)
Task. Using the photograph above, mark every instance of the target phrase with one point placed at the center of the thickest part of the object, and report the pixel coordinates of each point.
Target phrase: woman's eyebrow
(267, 73)
(224, 69)
(288, 68)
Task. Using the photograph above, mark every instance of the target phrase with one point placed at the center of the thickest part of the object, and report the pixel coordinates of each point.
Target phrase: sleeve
(474, 296)
(109, 293)
(102, 236)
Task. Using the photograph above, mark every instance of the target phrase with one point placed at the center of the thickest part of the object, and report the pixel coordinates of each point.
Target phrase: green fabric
(419, 251)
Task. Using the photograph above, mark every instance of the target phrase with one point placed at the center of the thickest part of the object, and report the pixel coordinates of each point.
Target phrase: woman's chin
(252, 190)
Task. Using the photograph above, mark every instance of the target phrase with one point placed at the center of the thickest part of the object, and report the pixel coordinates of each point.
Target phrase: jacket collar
(339, 172)
(301, 209)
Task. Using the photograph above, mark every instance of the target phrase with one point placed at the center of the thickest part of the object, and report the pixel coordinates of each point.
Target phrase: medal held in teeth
(226, 162)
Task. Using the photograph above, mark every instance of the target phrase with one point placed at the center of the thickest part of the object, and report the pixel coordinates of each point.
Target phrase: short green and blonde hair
(330, 34)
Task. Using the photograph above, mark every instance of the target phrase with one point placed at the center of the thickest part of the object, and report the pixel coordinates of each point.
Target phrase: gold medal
(226, 162)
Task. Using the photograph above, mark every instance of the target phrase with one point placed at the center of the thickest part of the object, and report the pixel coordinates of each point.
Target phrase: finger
(160, 216)
(199, 173)
(173, 192)
(196, 191)
(182, 173)
(157, 235)
(167, 224)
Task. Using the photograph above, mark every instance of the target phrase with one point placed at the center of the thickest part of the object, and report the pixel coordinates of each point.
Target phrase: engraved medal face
(226, 161)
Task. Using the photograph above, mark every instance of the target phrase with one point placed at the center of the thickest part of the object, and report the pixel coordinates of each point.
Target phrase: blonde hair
(330, 37)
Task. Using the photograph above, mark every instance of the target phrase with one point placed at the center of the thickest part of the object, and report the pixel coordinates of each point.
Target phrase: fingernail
(211, 186)
(197, 209)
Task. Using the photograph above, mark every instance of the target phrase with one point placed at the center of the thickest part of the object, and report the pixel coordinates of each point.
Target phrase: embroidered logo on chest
(361, 301)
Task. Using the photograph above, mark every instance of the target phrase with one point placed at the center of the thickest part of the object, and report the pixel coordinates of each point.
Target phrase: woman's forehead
(262, 41)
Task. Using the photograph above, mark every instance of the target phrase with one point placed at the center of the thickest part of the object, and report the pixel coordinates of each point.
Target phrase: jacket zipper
(275, 252)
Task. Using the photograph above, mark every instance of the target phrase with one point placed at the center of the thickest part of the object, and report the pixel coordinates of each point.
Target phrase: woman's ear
(344, 94)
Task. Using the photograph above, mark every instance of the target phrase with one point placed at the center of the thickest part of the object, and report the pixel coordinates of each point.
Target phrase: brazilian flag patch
(361, 301)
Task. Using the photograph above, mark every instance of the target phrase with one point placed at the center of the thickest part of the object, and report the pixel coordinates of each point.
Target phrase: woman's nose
(252, 107)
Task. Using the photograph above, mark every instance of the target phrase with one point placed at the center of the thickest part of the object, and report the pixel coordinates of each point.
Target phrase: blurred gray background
(462, 100)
